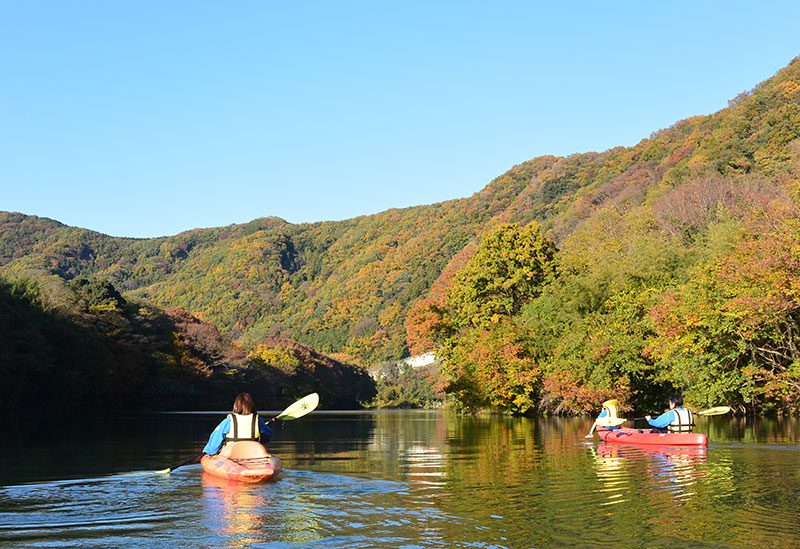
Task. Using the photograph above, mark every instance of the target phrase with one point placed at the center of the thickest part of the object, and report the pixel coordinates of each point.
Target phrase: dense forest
(672, 264)
(81, 346)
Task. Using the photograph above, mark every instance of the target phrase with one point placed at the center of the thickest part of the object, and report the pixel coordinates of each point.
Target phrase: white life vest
(243, 428)
(683, 421)
(610, 406)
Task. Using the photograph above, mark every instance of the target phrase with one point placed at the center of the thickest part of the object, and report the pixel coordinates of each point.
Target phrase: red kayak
(244, 461)
(626, 435)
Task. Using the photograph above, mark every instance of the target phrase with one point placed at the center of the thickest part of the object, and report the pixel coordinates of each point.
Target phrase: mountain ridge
(346, 286)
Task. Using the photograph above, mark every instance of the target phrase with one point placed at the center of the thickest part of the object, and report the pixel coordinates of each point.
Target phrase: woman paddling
(243, 424)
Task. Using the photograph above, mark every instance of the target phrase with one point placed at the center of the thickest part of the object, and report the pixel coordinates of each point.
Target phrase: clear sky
(148, 118)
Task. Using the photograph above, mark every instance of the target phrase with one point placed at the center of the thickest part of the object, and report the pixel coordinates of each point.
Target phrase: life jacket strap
(681, 426)
(234, 431)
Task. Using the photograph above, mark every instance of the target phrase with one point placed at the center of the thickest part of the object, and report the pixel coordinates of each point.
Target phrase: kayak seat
(244, 449)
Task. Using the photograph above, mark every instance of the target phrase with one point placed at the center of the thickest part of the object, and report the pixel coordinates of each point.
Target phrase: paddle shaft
(717, 411)
(195, 457)
(591, 431)
(187, 461)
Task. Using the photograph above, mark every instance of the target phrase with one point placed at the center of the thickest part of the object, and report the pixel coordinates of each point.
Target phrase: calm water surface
(399, 479)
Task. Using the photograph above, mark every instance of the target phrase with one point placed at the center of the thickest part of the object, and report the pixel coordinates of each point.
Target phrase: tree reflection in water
(672, 469)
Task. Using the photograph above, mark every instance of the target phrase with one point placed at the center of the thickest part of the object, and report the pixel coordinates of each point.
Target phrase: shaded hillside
(81, 347)
(298, 369)
(346, 287)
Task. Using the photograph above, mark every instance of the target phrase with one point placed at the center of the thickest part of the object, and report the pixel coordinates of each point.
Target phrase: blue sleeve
(604, 413)
(217, 438)
(663, 420)
(263, 428)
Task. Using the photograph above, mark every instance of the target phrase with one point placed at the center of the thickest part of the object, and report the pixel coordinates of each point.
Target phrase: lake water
(399, 479)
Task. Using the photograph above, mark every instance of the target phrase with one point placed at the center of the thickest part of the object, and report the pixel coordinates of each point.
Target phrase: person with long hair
(243, 423)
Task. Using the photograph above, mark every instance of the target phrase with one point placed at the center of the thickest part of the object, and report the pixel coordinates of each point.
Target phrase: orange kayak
(626, 435)
(244, 461)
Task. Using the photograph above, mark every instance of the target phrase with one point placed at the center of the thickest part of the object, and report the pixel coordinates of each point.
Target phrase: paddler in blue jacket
(243, 424)
(675, 420)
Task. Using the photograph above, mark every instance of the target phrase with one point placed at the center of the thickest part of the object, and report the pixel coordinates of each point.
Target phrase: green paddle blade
(611, 421)
(719, 410)
(300, 408)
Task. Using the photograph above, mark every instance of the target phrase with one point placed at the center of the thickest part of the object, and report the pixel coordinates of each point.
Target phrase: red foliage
(565, 393)
(425, 316)
(203, 343)
(693, 205)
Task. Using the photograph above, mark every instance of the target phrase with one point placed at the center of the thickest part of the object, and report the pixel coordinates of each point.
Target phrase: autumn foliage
(627, 273)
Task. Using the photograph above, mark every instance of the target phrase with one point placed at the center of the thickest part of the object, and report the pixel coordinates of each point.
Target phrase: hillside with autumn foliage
(627, 273)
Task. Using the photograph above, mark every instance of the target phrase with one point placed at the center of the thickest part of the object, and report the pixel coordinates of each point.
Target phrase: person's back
(243, 424)
(609, 411)
(243, 427)
(675, 420)
(682, 422)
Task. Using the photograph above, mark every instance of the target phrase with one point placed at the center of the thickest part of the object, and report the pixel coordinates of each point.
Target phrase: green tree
(508, 270)
(487, 363)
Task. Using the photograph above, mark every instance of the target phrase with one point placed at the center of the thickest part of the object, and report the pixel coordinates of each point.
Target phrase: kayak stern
(246, 461)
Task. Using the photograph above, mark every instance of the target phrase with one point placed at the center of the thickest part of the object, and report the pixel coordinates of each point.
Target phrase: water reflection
(233, 510)
(419, 479)
(664, 469)
(612, 470)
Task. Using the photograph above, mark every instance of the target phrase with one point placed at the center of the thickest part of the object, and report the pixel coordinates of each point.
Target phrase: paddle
(617, 421)
(611, 421)
(591, 431)
(300, 408)
(717, 411)
(187, 461)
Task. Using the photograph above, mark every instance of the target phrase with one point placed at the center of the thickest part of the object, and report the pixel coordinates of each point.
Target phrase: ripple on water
(96, 510)
(323, 509)
(517, 488)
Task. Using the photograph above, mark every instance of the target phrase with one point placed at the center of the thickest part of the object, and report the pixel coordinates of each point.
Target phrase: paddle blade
(719, 410)
(300, 408)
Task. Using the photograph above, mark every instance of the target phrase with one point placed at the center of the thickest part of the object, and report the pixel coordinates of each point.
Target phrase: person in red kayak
(609, 411)
(675, 420)
(243, 424)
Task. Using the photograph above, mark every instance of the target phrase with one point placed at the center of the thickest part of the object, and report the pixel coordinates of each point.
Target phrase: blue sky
(150, 118)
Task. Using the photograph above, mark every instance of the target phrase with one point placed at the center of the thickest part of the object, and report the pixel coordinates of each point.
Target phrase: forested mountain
(341, 287)
(647, 242)
(80, 346)
(678, 268)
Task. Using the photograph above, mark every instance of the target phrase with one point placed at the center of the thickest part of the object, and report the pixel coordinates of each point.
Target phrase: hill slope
(346, 287)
